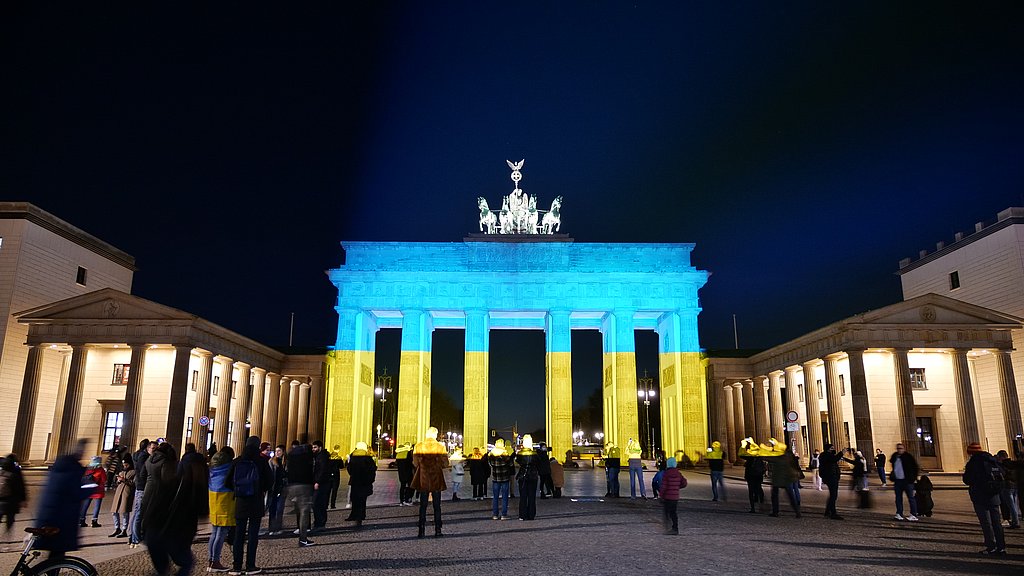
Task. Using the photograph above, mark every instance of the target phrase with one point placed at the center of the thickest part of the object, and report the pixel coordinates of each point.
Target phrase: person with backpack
(984, 479)
(250, 478)
(1008, 501)
(12, 490)
(222, 506)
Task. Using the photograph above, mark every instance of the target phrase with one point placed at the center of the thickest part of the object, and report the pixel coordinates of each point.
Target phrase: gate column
(414, 375)
(350, 387)
(558, 385)
(621, 420)
(683, 393)
(477, 364)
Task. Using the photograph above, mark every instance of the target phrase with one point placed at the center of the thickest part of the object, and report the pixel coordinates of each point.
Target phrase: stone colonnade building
(116, 368)
(931, 372)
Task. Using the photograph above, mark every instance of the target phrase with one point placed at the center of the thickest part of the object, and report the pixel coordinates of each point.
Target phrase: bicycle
(66, 566)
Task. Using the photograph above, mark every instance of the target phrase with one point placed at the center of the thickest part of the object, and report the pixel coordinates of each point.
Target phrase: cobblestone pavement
(583, 533)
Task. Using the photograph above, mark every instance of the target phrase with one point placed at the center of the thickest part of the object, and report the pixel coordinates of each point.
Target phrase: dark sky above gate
(804, 147)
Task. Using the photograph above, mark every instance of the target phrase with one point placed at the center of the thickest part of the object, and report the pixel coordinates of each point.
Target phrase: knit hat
(973, 448)
(671, 462)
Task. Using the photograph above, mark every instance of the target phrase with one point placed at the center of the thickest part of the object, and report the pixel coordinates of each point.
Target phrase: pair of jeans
(133, 536)
(247, 537)
(85, 508)
(528, 498)
(301, 497)
(119, 522)
(833, 494)
(670, 512)
(636, 476)
(320, 498)
(218, 534)
(1008, 499)
(478, 490)
(613, 480)
(755, 493)
(275, 510)
(718, 484)
(991, 524)
(424, 496)
(899, 487)
(500, 490)
(794, 499)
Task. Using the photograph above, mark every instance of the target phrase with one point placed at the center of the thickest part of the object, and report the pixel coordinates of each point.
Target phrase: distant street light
(647, 392)
(382, 390)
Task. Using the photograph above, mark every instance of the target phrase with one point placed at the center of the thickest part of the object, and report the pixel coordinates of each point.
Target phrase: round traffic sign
(792, 416)
(204, 420)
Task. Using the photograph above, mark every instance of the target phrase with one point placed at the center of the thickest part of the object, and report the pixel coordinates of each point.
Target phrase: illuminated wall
(554, 285)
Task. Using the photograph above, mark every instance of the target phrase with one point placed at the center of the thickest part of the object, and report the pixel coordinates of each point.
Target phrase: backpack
(996, 478)
(246, 478)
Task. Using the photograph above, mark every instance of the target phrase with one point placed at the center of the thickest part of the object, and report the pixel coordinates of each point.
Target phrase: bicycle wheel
(68, 566)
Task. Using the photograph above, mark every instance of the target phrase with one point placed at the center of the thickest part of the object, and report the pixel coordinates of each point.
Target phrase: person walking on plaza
(984, 479)
(321, 485)
(814, 465)
(612, 464)
(222, 506)
(904, 474)
(636, 469)
(275, 496)
(403, 462)
(139, 458)
(545, 483)
(458, 472)
(171, 508)
(753, 474)
(1009, 503)
(430, 459)
(362, 471)
(300, 488)
(880, 465)
(527, 478)
(124, 492)
(716, 464)
(557, 477)
(250, 478)
(61, 502)
(671, 482)
(828, 470)
(502, 468)
(785, 474)
(12, 490)
(479, 471)
(94, 474)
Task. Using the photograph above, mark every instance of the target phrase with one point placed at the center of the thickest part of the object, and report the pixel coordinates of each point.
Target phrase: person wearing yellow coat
(222, 506)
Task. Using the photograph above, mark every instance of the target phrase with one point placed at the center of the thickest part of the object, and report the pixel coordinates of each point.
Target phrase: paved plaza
(585, 533)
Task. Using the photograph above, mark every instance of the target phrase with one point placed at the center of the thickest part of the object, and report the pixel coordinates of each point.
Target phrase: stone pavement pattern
(621, 536)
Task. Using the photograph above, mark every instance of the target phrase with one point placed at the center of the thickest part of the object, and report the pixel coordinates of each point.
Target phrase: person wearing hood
(479, 471)
(981, 475)
(362, 471)
(672, 480)
(527, 478)
(61, 501)
(403, 462)
(430, 459)
(458, 472)
(12, 490)
(171, 508)
(501, 466)
(557, 477)
(250, 478)
(94, 474)
(222, 506)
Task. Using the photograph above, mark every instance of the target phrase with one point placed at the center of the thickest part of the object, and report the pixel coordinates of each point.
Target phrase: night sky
(805, 148)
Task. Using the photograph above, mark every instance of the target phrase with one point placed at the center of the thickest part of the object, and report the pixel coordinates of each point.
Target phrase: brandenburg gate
(519, 275)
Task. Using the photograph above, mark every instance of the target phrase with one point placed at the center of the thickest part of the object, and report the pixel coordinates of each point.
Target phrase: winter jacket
(300, 465)
(785, 470)
(222, 498)
(124, 492)
(977, 473)
(479, 470)
(173, 504)
(829, 462)
(254, 505)
(141, 474)
(14, 484)
(557, 473)
(501, 467)
(671, 482)
(430, 459)
(60, 504)
(527, 460)
(910, 469)
(362, 471)
(97, 476)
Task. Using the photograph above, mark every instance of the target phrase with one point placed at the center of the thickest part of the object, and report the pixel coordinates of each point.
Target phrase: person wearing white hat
(362, 471)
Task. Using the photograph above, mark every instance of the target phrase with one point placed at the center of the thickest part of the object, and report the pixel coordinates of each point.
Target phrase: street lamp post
(382, 390)
(647, 392)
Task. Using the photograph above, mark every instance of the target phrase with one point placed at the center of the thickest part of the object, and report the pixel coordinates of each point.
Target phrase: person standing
(334, 466)
(984, 480)
(753, 474)
(94, 474)
(275, 496)
(222, 506)
(111, 466)
(636, 469)
(880, 465)
(814, 465)
(171, 508)
(716, 464)
(430, 459)
(785, 473)
(1008, 501)
(557, 477)
(141, 475)
(671, 482)
(500, 463)
(300, 488)
(547, 487)
(403, 462)
(124, 492)
(527, 478)
(612, 465)
(321, 485)
(12, 490)
(458, 473)
(904, 474)
(478, 473)
(362, 471)
(828, 470)
(250, 478)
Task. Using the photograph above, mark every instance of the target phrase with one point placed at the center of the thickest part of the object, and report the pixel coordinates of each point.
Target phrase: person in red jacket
(671, 483)
(98, 476)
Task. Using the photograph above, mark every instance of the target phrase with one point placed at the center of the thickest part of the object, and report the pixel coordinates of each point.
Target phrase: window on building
(234, 388)
(188, 428)
(820, 396)
(800, 392)
(112, 423)
(195, 379)
(80, 277)
(925, 437)
(846, 434)
(917, 381)
(231, 429)
(216, 385)
(954, 280)
(842, 385)
(120, 375)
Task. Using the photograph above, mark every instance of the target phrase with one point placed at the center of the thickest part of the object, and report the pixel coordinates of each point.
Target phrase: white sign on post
(792, 426)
